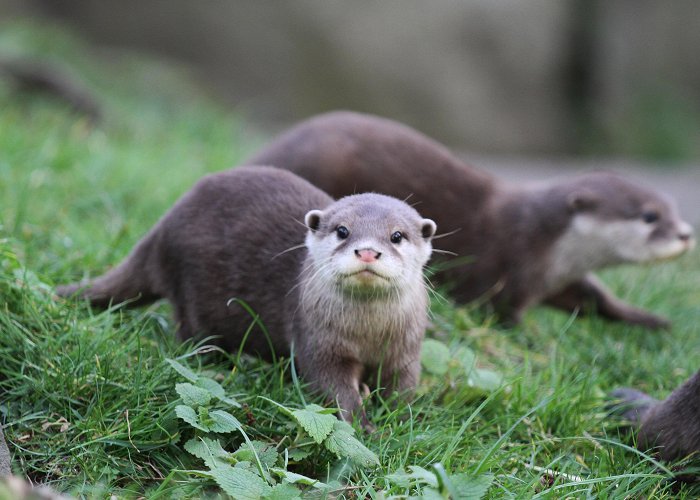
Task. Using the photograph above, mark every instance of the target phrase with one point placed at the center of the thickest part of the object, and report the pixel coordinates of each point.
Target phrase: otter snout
(367, 255)
(685, 233)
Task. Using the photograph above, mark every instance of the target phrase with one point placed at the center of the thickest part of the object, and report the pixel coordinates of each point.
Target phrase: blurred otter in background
(517, 246)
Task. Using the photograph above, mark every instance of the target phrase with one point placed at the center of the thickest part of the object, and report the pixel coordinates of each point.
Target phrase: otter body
(516, 246)
(349, 299)
(672, 426)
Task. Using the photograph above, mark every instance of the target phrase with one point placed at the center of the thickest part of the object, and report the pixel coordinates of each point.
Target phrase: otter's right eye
(650, 217)
(342, 232)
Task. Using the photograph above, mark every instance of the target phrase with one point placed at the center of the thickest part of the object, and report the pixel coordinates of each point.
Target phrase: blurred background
(515, 85)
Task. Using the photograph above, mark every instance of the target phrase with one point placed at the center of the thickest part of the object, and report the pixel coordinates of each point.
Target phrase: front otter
(352, 301)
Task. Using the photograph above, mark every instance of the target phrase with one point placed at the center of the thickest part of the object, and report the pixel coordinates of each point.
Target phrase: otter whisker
(295, 247)
(446, 252)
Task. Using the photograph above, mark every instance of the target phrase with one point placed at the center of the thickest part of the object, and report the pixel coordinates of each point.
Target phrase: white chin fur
(669, 250)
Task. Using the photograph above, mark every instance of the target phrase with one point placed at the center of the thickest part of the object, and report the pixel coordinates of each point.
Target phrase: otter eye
(650, 217)
(396, 237)
(342, 232)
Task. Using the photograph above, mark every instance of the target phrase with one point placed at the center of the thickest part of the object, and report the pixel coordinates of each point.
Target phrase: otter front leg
(403, 379)
(339, 380)
(590, 294)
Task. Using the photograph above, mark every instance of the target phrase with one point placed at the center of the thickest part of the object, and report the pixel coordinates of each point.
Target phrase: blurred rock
(612, 77)
(481, 74)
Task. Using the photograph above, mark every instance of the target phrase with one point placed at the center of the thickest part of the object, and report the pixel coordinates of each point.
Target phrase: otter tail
(130, 281)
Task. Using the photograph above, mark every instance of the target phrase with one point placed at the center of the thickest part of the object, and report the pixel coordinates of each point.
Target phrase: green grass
(88, 400)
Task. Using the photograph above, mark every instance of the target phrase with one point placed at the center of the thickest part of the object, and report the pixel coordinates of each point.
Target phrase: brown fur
(505, 237)
(672, 426)
(238, 236)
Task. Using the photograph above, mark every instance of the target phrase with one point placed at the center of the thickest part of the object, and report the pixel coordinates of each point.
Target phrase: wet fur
(506, 238)
(238, 236)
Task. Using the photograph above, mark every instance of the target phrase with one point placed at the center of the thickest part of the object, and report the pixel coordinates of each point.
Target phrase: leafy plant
(257, 469)
(438, 484)
(456, 372)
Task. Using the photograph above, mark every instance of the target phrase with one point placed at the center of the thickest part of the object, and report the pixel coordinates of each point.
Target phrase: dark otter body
(516, 246)
(349, 302)
(672, 425)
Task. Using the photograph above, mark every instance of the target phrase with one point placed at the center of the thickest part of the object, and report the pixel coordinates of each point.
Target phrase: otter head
(368, 245)
(621, 221)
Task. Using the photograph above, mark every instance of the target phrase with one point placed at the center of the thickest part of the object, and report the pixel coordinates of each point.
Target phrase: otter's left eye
(650, 217)
(396, 237)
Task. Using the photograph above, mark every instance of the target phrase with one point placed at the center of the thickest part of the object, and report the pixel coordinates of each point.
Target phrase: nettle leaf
(267, 453)
(431, 494)
(239, 482)
(487, 380)
(206, 448)
(344, 444)
(435, 357)
(215, 389)
(297, 454)
(192, 395)
(318, 425)
(187, 414)
(292, 477)
(183, 370)
(417, 475)
(284, 491)
(467, 359)
(471, 487)
(222, 421)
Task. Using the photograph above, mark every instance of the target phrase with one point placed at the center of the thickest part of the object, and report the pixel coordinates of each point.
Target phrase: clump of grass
(89, 399)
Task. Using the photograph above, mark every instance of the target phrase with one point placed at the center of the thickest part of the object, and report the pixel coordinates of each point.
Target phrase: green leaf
(435, 357)
(292, 477)
(267, 453)
(223, 421)
(192, 395)
(206, 448)
(284, 491)
(183, 370)
(467, 359)
(240, 482)
(344, 444)
(431, 494)
(418, 475)
(318, 425)
(298, 454)
(487, 380)
(470, 487)
(215, 389)
(187, 414)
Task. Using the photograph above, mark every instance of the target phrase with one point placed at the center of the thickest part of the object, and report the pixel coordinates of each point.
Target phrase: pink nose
(367, 255)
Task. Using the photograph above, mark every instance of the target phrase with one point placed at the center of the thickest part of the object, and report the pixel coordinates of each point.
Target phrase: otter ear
(428, 229)
(581, 200)
(313, 219)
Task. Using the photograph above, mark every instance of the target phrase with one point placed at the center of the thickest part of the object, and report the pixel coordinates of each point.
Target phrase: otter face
(368, 244)
(626, 223)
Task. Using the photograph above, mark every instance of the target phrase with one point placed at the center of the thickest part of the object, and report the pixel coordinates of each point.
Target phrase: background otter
(353, 300)
(671, 425)
(516, 246)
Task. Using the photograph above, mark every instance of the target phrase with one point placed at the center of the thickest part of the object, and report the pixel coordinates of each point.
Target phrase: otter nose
(685, 233)
(367, 254)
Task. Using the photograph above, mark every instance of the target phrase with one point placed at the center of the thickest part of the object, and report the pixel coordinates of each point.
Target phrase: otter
(517, 246)
(345, 288)
(671, 425)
